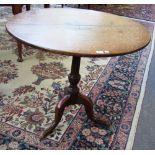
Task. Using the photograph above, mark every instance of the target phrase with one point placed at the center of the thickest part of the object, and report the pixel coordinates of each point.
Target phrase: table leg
(46, 5)
(16, 8)
(28, 7)
(19, 48)
(72, 96)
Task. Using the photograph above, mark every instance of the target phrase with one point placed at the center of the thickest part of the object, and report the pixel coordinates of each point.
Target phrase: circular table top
(78, 32)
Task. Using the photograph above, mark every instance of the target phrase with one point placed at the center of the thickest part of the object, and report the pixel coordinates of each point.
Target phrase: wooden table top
(78, 32)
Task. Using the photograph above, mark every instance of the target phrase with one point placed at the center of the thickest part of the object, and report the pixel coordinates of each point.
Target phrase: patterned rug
(29, 93)
(139, 11)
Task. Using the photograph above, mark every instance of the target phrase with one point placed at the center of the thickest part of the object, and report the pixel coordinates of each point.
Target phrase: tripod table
(78, 33)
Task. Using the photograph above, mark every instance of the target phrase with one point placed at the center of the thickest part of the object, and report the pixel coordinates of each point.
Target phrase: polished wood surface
(78, 32)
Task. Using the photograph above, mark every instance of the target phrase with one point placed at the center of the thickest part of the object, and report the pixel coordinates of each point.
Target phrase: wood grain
(78, 32)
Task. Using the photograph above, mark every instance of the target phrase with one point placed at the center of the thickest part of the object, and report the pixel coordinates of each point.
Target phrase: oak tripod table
(77, 33)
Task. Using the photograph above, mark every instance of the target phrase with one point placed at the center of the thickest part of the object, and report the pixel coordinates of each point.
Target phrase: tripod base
(72, 96)
(68, 100)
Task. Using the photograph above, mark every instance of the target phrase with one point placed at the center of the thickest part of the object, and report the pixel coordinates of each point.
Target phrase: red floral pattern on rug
(53, 70)
(139, 11)
(114, 93)
(8, 71)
